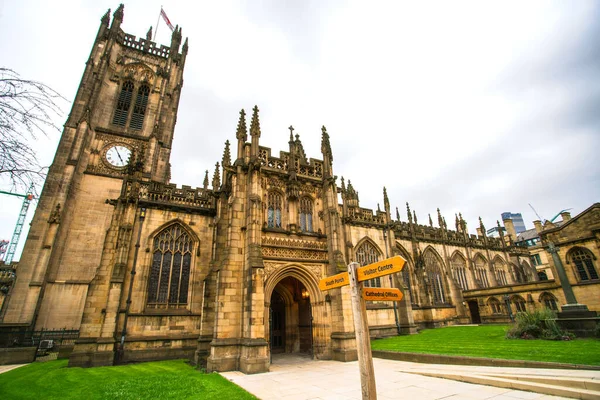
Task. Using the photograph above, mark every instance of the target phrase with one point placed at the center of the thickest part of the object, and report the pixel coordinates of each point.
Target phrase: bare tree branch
(26, 110)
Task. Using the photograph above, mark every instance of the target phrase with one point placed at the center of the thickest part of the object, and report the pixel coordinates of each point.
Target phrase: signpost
(358, 294)
(379, 294)
(331, 282)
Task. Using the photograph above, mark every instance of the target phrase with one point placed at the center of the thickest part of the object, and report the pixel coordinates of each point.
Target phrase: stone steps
(576, 388)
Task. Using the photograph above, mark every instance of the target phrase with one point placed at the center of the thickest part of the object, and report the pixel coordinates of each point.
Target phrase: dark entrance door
(474, 309)
(277, 323)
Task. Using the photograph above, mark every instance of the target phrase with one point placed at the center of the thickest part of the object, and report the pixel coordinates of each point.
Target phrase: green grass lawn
(489, 341)
(152, 380)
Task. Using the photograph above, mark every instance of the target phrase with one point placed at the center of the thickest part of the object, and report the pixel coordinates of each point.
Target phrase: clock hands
(119, 155)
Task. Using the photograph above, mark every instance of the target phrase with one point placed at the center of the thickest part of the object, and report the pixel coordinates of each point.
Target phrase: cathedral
(228, 273)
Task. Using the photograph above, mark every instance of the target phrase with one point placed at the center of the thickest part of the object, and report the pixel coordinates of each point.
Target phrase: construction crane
(12, 247)
(538, 215)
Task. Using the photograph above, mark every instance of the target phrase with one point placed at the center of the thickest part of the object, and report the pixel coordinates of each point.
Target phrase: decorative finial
(149, 34)
(397, 215)
(216, 181)
(415, 217)
(481, 226)
(343, 184)
(291, 128)
(206, 180)
(325, 145)
(440, 221)
(410, 219)
(457, 222)
(106, 18)
(378, 208)
(255, 123)
(118, 15)
(386, 200)
(226, 161)
(430, 221)
(242, 131)
(185, 47)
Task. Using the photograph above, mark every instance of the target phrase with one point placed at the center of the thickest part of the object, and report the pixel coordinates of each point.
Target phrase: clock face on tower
(118, 156)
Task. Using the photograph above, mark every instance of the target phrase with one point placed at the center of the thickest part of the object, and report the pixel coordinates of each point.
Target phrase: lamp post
(562, 276)
(508, 308)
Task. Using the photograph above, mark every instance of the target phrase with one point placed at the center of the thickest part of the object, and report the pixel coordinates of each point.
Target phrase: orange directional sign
(377, 294)
(334, 281)
(381, 268)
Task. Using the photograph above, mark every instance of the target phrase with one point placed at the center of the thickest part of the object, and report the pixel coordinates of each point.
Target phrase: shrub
(540, 324)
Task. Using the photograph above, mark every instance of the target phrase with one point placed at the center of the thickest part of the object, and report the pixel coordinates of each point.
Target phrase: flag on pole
(166, 19)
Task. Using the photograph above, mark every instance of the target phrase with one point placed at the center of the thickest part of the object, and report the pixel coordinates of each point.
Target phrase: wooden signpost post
(354, 277)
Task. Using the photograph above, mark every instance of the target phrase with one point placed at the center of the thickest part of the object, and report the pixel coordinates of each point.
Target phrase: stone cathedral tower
(125, 106)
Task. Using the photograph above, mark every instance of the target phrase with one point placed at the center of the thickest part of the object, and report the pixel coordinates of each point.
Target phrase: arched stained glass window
(367, 254)
(306, 213)
(495, 305)
(170, 270)
(274, 210)
(459, 271)
(434, 280)
(549, 301)
(519, 303)
(584, 263)
(123, 104)
(139, 109)
(481, 272)
(500, 272)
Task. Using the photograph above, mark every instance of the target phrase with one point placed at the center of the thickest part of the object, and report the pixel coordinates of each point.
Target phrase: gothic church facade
(228, 273)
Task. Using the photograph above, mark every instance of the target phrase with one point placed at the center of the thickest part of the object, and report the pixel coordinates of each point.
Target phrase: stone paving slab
(295, 377)
(5, 368)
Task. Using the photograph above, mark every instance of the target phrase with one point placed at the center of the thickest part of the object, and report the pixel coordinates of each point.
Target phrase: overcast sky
(477, 107)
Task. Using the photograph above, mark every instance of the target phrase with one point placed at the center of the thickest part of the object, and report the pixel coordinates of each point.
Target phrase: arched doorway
(290, 318)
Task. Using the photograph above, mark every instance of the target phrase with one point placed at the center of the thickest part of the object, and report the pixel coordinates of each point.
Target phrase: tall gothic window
(367, 254)
(434, 280)
(519, 303)
(459, 271)
(584, 263)
(123, 104)
(139, 109)
(274, 210)
(549, 301)
(481, 272)
(495, 305)
(500, 272)
(170, 271)
(306, 213)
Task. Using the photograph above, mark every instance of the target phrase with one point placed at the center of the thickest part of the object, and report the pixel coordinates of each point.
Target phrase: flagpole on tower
(157, 22)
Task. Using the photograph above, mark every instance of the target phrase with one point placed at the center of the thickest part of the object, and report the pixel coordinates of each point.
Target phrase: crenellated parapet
(170, 196)
(311, 169)
(145, 45)
(364, 216)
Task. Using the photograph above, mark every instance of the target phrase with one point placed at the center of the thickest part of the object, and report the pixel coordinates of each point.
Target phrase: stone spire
(149, 34)
(386, 200)
(205, 185)
(255, 123)
(226, 161)
(117, 18)
(457, 222)
(242, 131)
(430, 221)
(415, 217)
(343, 184)
(482, 227)
(216, 181)
(292, 159)
(397, 214)
(408, 213)
(325, 145)
(440, 220)
(105, 18)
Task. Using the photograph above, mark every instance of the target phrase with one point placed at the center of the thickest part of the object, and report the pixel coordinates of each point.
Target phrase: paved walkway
(296, 377)
(5, 368)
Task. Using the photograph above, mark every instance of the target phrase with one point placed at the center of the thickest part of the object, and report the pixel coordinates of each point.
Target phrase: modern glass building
(517, 219)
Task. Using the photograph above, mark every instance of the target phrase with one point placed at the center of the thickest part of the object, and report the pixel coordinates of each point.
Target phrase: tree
(26, 110)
